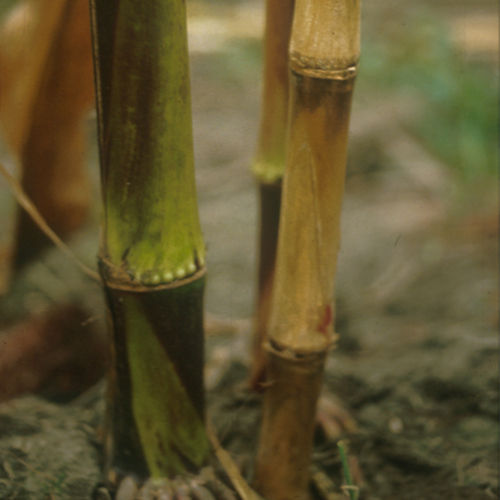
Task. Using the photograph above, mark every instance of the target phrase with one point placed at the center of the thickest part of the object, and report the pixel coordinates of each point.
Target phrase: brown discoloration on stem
(310, 220)
(285, 444)
(270, 200)
(269, 163)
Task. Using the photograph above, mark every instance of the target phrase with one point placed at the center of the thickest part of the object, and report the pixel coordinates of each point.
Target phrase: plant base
(285, 443)
(156, 425)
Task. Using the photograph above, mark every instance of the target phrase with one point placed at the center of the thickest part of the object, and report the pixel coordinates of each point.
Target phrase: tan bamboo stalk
(46, 88)
(324, 51)
(269, 163)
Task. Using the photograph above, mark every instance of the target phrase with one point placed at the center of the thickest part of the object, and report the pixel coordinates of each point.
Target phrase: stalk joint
(298, 357)
(323, 69)
(119, 278)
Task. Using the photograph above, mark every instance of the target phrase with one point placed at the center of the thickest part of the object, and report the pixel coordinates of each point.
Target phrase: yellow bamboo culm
(324, 51)
(269, 163)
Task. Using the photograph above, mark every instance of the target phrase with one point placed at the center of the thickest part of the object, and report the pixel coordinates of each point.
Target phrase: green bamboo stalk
(269, 164)
(152, 256)
(324, 51)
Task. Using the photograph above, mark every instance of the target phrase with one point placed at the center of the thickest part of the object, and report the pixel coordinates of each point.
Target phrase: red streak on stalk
(326, 321)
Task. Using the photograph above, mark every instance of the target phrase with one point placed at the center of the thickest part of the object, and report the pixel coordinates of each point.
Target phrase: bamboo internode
(302, 308)
(324, 51)
(269, 164)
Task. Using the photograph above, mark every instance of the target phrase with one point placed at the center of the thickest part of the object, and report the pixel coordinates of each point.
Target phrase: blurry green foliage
(458, 118)
(5, 6)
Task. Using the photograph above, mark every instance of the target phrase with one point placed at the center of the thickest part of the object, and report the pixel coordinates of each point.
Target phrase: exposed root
(204, 486)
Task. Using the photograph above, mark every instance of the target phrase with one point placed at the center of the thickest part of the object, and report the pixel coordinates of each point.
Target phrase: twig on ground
(239, 483)
(25, 202)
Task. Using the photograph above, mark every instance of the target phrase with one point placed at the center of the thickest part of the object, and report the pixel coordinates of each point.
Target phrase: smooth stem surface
(322, 75)
(285, 444)
(323, 55)
(269, 164)
(156, 402)
(152, 253)
(151, 225)
(302, 307)
(270, 201)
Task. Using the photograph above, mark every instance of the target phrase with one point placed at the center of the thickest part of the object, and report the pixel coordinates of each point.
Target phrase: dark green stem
(152, 254)
(156, 401)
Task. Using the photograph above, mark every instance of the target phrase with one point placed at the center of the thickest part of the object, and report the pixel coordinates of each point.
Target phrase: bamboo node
(117, 278)
(305, 358)
(268, 172)
(325, 69)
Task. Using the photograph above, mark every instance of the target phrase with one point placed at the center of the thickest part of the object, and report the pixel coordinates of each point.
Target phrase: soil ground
(416, 365)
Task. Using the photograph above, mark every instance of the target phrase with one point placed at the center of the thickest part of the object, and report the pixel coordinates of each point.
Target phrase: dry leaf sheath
(46, 88)
(324, 51)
